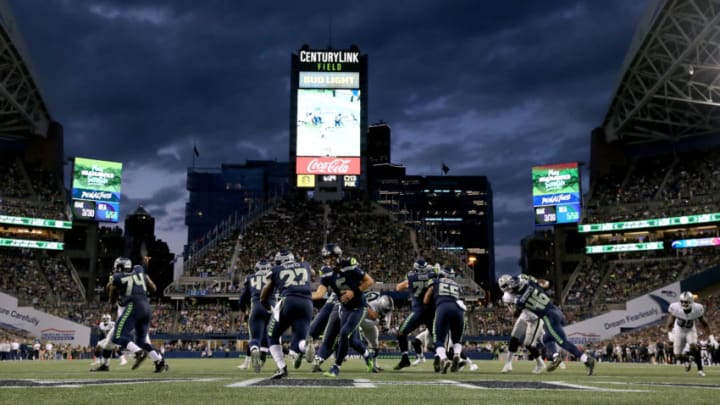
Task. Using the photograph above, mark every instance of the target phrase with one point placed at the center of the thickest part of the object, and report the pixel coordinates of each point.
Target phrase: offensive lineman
(680, 324)
(130, 289)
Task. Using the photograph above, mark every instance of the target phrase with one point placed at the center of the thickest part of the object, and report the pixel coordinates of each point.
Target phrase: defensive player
(681, 320)
(259, 317)
(130, 289)
(531, 296)
(104, 348)
(449, 320)
(417, 281)
(349, 282)
(294, 309)
(379, 313)
(528, 329)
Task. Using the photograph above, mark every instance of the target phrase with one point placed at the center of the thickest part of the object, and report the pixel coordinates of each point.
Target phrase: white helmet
(385, 304)
(284, 256)
(106, 318)
(686, 300)
(504, 282)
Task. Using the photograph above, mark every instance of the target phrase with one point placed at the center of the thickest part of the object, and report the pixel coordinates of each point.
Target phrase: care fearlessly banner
(41, 325)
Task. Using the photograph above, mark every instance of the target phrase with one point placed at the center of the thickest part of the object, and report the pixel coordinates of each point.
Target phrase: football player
(259, 316)
(681, 320)
(417, 281)
(130, 289)
(531, 296)
(349, 282)
(528, 329)
(104, 347)
(318, 325)
(449, 319)
(379, 313)
(294, 308)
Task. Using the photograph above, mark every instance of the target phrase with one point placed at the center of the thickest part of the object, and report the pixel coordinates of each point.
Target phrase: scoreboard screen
(96, 190)
(556, 193)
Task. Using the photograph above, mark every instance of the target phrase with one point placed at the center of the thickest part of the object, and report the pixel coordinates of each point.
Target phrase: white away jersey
(683, 319)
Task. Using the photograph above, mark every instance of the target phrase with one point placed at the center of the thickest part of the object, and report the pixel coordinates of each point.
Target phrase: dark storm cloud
(490, 88)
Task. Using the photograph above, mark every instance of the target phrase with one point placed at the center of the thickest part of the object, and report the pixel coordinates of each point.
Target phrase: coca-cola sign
(327, 165)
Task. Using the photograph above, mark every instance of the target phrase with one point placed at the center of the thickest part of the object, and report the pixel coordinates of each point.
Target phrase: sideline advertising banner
(43, 326)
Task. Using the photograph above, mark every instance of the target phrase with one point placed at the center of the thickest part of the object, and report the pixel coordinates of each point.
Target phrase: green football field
(219, 381)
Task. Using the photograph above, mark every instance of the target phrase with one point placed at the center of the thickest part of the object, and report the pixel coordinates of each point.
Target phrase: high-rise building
(454, 213)
(328, 122)
(232, 190)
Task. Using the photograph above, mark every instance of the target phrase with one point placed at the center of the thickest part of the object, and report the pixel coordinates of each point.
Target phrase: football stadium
(616, 299)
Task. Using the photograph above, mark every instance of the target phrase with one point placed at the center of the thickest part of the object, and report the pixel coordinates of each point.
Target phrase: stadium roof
(670, 84)
(23, 111)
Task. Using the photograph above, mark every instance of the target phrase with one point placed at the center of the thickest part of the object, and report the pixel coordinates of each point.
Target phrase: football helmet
(447, 272)
(686, 300)
(106, 318)
(421, 266)
(284, 256)
(122, 264)
(504, 282)
(331, 249)
(385, 304)
(262, 265)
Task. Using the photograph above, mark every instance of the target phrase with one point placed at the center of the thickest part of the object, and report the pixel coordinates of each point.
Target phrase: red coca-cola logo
(336, 166)
(327, 165)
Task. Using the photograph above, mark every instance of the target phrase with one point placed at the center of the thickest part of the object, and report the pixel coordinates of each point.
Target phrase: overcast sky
(490, 88)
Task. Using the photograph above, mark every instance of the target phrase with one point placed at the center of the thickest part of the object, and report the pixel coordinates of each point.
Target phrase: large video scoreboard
(329, 117)
(556, 193)
(96, 190)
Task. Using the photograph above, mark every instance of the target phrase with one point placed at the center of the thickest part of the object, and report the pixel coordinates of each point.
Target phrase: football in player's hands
(543, 283)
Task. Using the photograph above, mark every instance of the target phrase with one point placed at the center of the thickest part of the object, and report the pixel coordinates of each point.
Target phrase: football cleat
(436, 364)
(455, 364)
(123, 360)
(554, 364)
(376, 369)
(445, 365)
(404, 362)
(316, 368)
(161, 366)
(590, 364)
(701, 373)
(309, 350)
(298, 360)
(333, 372)
(539, 366)
(255, 359)
(102, 367)
(280, 373)
(473, 367)
(369, 364)
(418, 360)
(140, 356)
(506, 368)
(689, 362)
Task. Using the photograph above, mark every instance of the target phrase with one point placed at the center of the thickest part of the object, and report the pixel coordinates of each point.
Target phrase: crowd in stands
(33, 193)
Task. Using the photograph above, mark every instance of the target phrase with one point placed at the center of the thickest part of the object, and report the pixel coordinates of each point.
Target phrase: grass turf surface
(217, 381)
